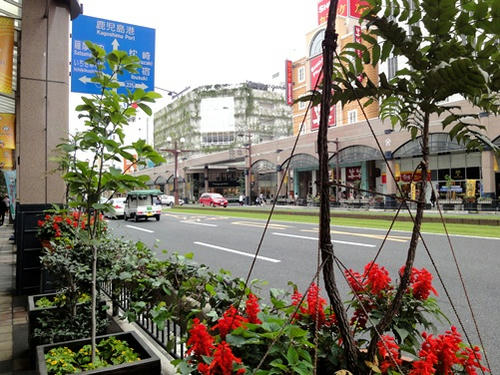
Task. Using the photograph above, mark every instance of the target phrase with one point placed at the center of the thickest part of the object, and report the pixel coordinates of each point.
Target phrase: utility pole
(176, 152)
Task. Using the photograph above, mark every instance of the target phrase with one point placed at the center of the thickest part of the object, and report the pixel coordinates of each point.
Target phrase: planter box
(35, 312)
(149, 363)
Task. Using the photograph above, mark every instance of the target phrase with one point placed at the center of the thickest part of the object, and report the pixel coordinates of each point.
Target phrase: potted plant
(123, 353)
(105, 117)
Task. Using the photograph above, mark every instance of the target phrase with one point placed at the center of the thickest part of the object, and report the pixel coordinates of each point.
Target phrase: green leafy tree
(450, 47)
(88, 159)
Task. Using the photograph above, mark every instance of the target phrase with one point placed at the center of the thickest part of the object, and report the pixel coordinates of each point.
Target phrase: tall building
(218, 117)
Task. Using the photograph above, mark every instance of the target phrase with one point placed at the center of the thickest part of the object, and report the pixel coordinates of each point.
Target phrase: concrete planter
(149, 363)
(35, 312)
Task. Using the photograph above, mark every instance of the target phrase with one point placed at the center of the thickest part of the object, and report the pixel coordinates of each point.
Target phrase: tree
(450, 47)
(106, 116)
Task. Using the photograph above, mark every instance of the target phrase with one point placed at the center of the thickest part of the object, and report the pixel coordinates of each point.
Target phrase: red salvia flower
(203, 368)
(355, 281)
(223, 361)
(315, 304)
(422, 285)
(389, 352)
(252, 309)
(229, 321)
(377, 278)
(200, 342)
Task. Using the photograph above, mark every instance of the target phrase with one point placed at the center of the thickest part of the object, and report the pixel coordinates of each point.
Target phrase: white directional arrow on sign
(85, 79)
(115, 44)
(141, 86)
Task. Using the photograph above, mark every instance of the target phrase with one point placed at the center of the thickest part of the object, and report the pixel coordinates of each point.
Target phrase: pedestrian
(3, 209)
(241, 199)
(433, 198)
(261, 199)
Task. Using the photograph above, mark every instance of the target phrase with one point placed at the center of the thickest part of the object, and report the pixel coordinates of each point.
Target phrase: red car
(213, 199)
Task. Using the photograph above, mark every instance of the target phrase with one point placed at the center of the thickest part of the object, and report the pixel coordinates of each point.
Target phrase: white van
(142, 204)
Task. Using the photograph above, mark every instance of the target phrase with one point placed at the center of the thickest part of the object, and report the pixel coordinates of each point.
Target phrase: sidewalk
(13, 317)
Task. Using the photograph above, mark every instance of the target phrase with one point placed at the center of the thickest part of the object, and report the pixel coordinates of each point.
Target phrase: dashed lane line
(261, 225)
(272, 260)
(315, 239)
(139, 228)
(196, 223)
(367, 235)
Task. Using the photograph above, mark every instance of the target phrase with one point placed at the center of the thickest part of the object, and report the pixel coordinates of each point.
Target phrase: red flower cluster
(200, 342)
(222, 362)
(421, 283)
(389, 352)
(314, 308)
(229, 321)
(252, 309)
(440, 354)
(375, 279)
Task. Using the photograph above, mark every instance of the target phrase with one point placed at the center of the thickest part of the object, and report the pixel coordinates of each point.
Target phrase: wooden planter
(149, 364)
(35, 312)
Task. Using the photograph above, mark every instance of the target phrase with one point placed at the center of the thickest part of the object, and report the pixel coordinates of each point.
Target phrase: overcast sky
(220, 41)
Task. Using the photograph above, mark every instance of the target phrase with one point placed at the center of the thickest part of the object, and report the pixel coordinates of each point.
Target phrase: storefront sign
(357, 7)
(6, 53)
(470, 186)
(324, 6)
(6, 159)
(453, 188)
(7, 126)
(289, 82)
(353, 173)
(316, 66)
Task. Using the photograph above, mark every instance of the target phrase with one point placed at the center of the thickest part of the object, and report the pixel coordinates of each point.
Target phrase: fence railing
(170, 338)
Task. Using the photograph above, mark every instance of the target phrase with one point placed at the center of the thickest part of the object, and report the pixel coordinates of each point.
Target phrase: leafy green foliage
(111, 351)
(450, 47)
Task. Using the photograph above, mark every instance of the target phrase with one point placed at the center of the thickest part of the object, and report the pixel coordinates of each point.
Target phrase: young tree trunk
(325, 242)
(94, 301)
(405, 278)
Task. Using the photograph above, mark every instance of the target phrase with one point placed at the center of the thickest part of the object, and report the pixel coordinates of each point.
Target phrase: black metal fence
(171, 337)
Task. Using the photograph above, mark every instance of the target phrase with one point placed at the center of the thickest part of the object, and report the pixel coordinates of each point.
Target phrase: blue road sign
(111, 35)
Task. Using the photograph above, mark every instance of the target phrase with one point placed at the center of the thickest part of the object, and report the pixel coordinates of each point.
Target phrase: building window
(392, 67)
(302, 106)
(352, 116)
(302, 74)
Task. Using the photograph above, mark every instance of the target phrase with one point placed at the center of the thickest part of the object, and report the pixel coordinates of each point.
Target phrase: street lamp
(248, 177)
(175, 151)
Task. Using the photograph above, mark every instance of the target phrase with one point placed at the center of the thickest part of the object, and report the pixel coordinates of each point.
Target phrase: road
(289, 252)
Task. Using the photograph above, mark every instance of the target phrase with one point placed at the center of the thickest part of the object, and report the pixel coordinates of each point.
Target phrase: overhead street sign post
(111, 35)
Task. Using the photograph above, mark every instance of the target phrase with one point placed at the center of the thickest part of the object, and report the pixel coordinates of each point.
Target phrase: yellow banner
(470, 188)
(6, 54)
(7, 128)
(397, 171)
(413, 191)
(6, 159)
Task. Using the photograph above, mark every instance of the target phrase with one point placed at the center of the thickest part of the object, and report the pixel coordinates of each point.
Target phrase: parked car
(118, 205)
(213, 199)
(169, 200)
(142, 204)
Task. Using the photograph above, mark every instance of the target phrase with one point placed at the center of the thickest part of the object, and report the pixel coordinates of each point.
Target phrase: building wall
(42, 110)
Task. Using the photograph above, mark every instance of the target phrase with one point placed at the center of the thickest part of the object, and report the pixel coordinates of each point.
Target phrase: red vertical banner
(357, 7)
(289, 82)
(316, 66)
(324, 6)
(357, 39)
(342, 8)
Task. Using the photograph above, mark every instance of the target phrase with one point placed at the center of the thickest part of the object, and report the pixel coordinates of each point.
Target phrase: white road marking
(139, 228)
(261, 224)
(237, 252)
(376, 236)
(315, 238)
(196, 223)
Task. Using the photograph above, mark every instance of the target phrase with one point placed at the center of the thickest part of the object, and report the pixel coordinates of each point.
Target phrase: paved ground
(13, 317)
